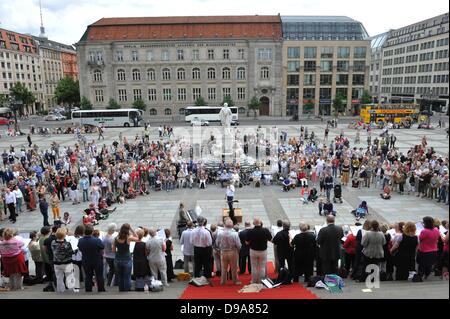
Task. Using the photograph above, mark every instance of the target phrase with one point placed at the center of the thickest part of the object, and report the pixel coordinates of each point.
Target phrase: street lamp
(15, 105)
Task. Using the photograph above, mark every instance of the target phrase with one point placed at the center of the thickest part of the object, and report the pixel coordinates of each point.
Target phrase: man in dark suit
(329, 241)
(244, 253)
(284, 249)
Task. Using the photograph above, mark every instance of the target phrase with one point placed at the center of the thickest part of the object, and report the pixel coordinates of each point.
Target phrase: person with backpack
(62, 261)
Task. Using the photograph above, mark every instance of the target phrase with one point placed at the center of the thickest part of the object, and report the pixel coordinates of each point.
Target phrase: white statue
(225, 116)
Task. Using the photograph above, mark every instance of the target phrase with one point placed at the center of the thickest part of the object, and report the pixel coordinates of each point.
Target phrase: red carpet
(230, 291)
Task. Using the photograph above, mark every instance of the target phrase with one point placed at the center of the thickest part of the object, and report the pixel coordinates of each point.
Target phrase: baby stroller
(337, 193)
(158, 186)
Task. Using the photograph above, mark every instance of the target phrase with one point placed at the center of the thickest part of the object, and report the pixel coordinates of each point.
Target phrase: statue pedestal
(237, 214)
(227, 146)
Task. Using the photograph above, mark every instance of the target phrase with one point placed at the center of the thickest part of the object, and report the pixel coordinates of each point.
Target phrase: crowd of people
(100, 176)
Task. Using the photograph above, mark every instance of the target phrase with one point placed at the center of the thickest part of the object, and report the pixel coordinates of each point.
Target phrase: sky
(66, 20)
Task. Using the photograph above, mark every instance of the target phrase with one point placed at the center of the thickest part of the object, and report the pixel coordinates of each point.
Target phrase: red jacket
(350, 244)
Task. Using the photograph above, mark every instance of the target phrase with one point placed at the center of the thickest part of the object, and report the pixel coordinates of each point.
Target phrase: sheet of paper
(391, 232)
(275, 230)
(73, 242)
(293, 233)
(366, 290)
(132, 244)
(442, 230)
(161, 234)
(24, 235)
(317, 228)
(355, 229)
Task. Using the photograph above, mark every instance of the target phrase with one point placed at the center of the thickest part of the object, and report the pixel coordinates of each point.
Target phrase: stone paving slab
(298, 212)
(405, 208)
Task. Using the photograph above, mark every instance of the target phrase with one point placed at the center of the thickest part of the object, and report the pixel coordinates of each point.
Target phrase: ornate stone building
(169, 62)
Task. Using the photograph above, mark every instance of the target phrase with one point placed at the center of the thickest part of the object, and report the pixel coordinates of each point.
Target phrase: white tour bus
(209, 113)
(117, 117)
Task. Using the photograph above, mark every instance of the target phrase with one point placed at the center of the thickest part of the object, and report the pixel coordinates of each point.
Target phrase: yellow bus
(389, 113)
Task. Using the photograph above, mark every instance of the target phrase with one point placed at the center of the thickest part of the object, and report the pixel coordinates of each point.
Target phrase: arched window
(241, 73)
(136, 74)
(166, 74)
(242, 110)
(211, 73)
(195, 74)
(181, 74)
(151, 74)
(264, 74)
(121, 75)
(97, 76)
(153, 112)
(167, 111)
(182, 111)
(226, 73)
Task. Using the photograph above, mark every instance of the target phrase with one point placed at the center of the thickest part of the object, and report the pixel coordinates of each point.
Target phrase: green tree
(200, 101)
(229, 100)
(68, 91)
(254, 105)
(85, 104)
(366, 98)
(139, 104)
(3, 100)
(112, 105)
(338, 104)
(20, 92)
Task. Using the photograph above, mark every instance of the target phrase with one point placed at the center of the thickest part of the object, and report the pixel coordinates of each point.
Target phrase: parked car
(55, 117)
(6, 121)
(201, 122)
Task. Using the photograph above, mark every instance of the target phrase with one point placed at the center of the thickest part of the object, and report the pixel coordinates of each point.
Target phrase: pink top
(428, 240)
(10, 248)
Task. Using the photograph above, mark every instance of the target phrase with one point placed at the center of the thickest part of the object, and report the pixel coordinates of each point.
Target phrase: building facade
(54, 57)
(20, 62)
(323, 57)
(69, 63)
(170, 62)
(415, 65)
(376, 54)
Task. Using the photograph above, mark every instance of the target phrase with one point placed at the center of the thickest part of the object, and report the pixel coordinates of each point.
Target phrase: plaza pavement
(267, 202)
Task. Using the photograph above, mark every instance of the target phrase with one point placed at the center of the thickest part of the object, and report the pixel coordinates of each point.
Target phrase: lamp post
(15, 105)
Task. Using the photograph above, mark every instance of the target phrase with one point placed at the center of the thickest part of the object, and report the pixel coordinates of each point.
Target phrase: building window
(152, 94)
(310, 66)
(226, 73)
(226, 54)
(264, 54)
(167, 94)
(264, 73)
(137, 94)
(359, 66)
(310, 52)
(149, 55)
(91, 56)
(98, 95)
(358, 79)
(326, 52)
(180, 55)
(166, 74)
(182, 111)
(151, 74)
(359, 53)
(119, 56)
(212, 94)
(241, 93)
(123, 95)
(326, 79)
(293, 53)
(326, 66)
(196, 93)
(97, 76)
(181, 74)
(210, 54)
(153, 112)
(226, 92)
(195, 55)
(343, 53)
(342, 79)
(165, 55)
(309, 93)
(181, 94)
(134, 56)
(136, 74)
(241, 73)
(325, 93)
(211, 73)
(309, 79)
(241, 54)
(167, 111)
(293, 66)
(293, 79)
(195, 74)
(121, 75)
(342, 66)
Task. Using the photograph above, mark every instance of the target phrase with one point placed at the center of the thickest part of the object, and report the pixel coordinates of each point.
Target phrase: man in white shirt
(10, 201)
(19, 198)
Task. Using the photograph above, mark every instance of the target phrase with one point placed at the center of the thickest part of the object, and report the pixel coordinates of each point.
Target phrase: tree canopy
(139, 104)
(112, 104)
(229, 100)
(200, 101)
(254, 104)
(85, 104)
(67, 91)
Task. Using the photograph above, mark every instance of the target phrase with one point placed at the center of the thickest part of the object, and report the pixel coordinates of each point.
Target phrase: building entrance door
(264, 109)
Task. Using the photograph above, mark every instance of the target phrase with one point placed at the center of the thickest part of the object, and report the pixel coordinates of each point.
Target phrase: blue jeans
(123, 274)
(85, 195)
(328, 192)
